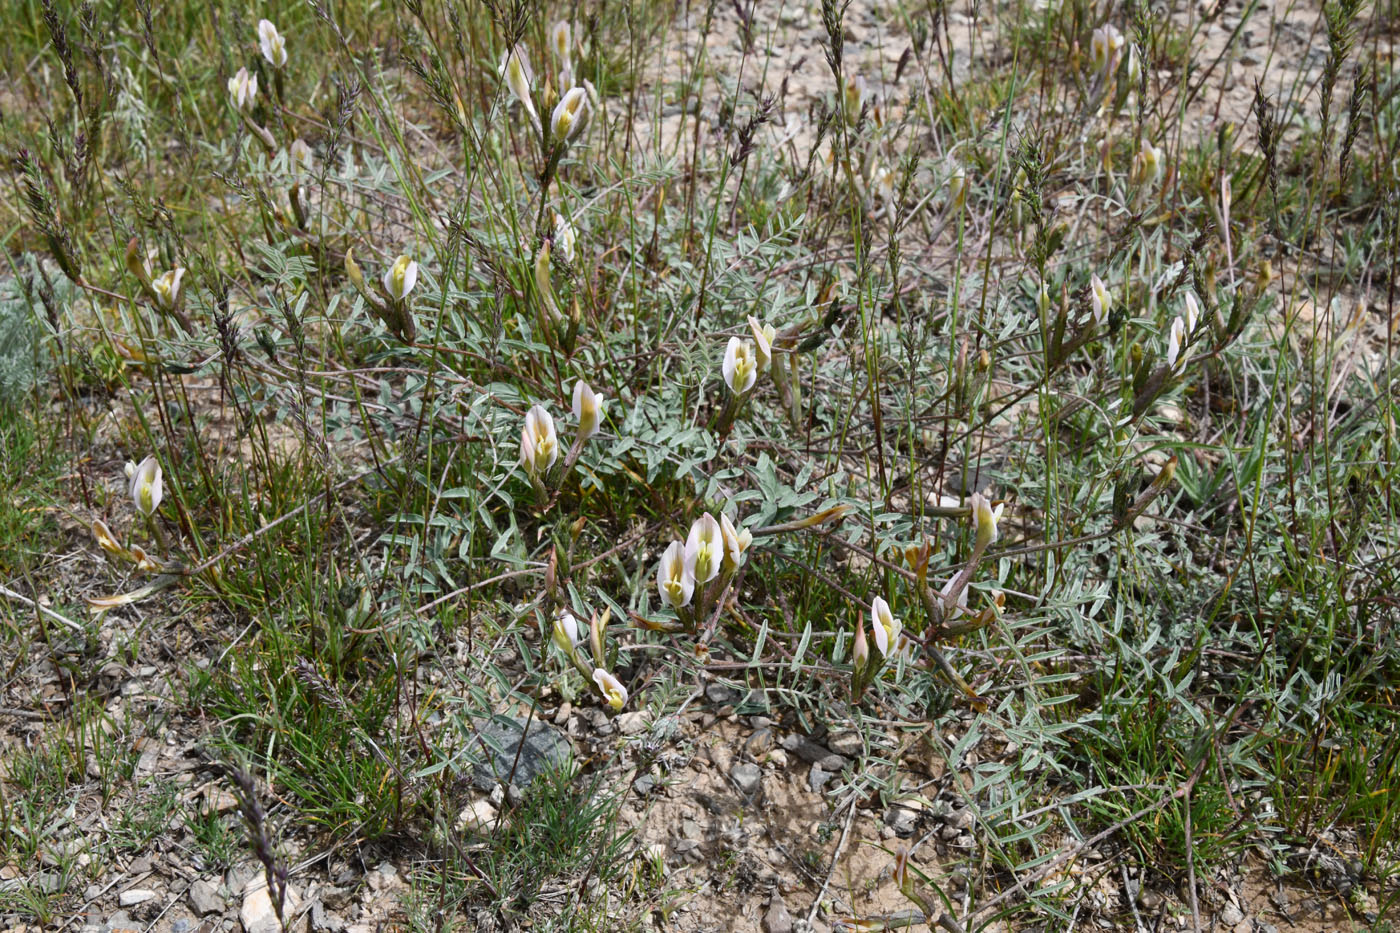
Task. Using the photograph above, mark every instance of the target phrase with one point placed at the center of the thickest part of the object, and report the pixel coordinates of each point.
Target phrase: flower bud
(763, 337)
(736, 543)
(1100, 300)
(860, 654)
(1176, 346)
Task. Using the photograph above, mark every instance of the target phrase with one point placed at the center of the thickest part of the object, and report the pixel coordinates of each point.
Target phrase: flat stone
(205, 898)
(817, 779)
(1231, 915)
(257, 913)
(807, 750)
(850, 744)
(747, 777)
(134, 896)
(494, 751)
(479, 815)
(632, 723)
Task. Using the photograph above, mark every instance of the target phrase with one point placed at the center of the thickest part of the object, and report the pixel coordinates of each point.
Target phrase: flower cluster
(946, 611)
(539, 441)
(713, 551)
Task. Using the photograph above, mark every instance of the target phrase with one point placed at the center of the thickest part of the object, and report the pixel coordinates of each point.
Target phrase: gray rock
(120, 920)
(1231, 915)
(849, 744)
(644, 785)
(135, 896)
(205, 898)
(719, 694)
(632, 723)
(817, 779)
(760, 742)
(748, 778)
(596, 718)
(503, 750)
(777, 919)
(902, 821)
(961, 819)
(807, 750)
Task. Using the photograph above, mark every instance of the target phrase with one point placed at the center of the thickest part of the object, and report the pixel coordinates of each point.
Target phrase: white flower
(736, 542)
(1193, 313)
(1176, 346)
(673, 578)
(167, 287)
(561, 41)
(740, 366)
(704, 548)
(272, 43)
(1100, 300)
(1148, 165)
(570, 115)
(243, 88)
(564, 237)
(299, 156)
(763, 336)
(400, 278)
(1106, 43)
(611, 688)
(539, 445)
(985, 518)
(515, 68)
(145, 485)
(884, 626)
(588, 410)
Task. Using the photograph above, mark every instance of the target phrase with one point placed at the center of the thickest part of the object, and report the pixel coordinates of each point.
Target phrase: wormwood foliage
(1021, 403)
